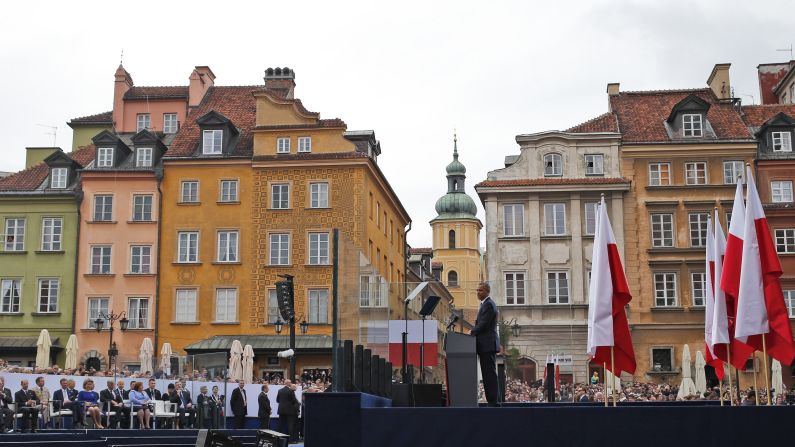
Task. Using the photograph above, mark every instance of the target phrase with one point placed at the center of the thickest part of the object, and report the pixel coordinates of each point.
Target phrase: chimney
(281, 81)
(36, 155)
(123, 83)
(769, 76)
(201, 79)
(718, 81)
(612, 90)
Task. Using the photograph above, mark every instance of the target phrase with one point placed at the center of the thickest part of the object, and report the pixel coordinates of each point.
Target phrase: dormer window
(594, 164)
(782, 141)
(691, 125)
(283, 145)
(304, 144)
(169, 123)
(143, 157)
(105, 157)
(143, 121)
(213, 141)
(58, 178)
(553, 165)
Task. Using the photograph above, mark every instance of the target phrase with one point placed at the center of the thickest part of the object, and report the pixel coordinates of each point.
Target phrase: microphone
(452, 322)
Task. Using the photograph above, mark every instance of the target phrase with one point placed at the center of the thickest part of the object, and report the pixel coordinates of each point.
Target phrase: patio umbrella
(235, 361)
(147, 351)
(71, 352)
(687, 387)
(165, 359)
(613, 382)
(777, 383)
(701, 376)
(248, 364)
(43, 349)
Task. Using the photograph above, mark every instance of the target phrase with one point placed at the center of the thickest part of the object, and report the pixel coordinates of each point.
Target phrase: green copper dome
(456, 167)
(456, 204)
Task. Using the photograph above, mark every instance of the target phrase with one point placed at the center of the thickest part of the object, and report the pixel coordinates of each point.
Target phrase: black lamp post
(111, 318)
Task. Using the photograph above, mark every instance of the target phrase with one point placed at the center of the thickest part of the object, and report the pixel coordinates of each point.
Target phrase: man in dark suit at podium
(487, 343)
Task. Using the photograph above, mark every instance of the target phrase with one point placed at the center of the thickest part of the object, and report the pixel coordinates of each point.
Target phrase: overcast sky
(410, 70)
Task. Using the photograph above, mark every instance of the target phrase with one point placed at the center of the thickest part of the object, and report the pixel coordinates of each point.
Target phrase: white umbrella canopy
(248, 364)
(235, 361)
(777, 382)
(43, 349)
(687, 387)
(613, 382)
(71, 352)
(146, 354)
(701, 375)
(165, 358)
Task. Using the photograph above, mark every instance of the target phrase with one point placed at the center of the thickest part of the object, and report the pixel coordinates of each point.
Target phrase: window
(188, 246)
(227, 246)
(594, 164)
(782, 191)
(143, 121)
(659, 174)
(728, 220)
(553, 165)
(698, 229)
(665, 289)
(48, 295)
(229, 191)
(170, 123)
(554, 219)
(138, 313)
(190, 192)
(370, 209)
(273, 307)
(378, 214)
(696, 173)
(732, 171)
(96, 308)
(662, 230)
(318, 305)
(590, 218)
(789, 299)
(143, 157)
(785, 240)
(212, 141)
(662, 359)
(280, 196)
(103, 208)
(10, 290)
(782, 141)
(304, 144)
(100, 259)
(558, 287)
(58, 178)
(514, 288)
(105, 157)
(373, 290)
(283, 145)
(452, 279)
(698, 287)
(51, 231)
(141, 259)
(691, 125)
(142, 208)
(451, 239)
(318, 248)
(513, 220)
(318, 195)
(280, 249)
(384, 223)
(226, 305)
(15, 235)
(185, 311)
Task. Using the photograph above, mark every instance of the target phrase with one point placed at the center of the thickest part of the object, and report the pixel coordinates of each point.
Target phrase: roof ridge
(658, 91)
(589, 121)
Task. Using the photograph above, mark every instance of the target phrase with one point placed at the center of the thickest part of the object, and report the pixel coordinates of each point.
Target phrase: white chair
(19, 416)
(59, 415)
(108, 414)
(164, 410)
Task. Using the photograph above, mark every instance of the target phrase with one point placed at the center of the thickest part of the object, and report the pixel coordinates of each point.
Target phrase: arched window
(553, 165)
(451, 239)
(452, 279)
(455, 185)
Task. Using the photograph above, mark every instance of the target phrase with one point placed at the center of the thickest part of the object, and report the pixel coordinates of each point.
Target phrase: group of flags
(745, 308)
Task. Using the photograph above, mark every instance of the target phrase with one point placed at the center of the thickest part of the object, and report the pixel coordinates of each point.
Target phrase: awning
(25, 343)
(262, 343)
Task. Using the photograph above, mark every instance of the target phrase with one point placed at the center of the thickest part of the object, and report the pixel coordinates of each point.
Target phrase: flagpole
(756, 385)
(604, 380)
(613, 374)
(720, 391)
(729, 362)
(767, 380)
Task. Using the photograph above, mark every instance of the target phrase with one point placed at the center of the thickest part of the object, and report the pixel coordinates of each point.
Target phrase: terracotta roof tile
(606, 122)
(437, 264)
(167, 92)
(755, 116)
(421, 251)
(553, 181)
(99, 118)
(334, 122)
(31, 178)
(313, 156)
(641, 115)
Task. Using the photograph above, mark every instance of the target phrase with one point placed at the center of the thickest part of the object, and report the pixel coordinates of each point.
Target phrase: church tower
(456, 237)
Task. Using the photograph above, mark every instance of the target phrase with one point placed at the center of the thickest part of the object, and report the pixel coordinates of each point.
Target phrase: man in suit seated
(152, 392)
(187, 414)
(65, 397)
(6, 413)
(113, 400)
(28, 406)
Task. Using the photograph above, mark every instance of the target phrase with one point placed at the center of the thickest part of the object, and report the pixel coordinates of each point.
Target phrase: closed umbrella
(687, 387)
(165, 359)
(71, 352)
(701, 376)
(43, 349)
(147, 351)
(248, 364)
(613, 382)
(777, 384)
(235, 361)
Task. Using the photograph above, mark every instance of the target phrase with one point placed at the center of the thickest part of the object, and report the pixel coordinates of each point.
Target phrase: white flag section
(709, 299)
(600, 292)
(720, 321)
(751, 309)
(397, 327)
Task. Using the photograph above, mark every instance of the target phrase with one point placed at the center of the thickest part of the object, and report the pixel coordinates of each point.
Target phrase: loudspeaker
(388, 379)
(357, 367)
(425, 395)
(381, 377)
(284, 297)
(550, 382)
(270, 438)
(366, 371)
(214, 438)
(347, 366)
(501, 380)
(375, 379)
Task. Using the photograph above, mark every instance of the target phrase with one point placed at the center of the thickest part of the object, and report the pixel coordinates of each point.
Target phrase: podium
(462, 370)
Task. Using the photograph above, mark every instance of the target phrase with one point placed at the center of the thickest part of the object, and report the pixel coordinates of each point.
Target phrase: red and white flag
(761, 311)
(730, 276)
(608, 294)
(720, 321)
(709, 314)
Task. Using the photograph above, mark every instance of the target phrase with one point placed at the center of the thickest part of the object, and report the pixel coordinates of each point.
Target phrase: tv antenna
(53, 131)
(787, 49)
(753, 100)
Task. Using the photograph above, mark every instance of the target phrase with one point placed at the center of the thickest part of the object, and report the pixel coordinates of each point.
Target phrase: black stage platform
(110, 438)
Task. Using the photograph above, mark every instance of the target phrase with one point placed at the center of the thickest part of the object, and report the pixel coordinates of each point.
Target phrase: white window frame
(143, 157)
(103, 212)
(781, 191)
(185, 300)
(318, 312)
(142, 207)
(283, 145)
(138, 312)
(669, 290)
(10, 295)
(280, 195)
(659, 219)
(15, 234)
(594, 164)
(170, 123)
(781, 141)
(789, 301)
(273, 314)
(226, 305)
(212, 142)
(697, 224)
(304, 144)
(515, 282)
(696, 173)
(229, 190)
(554, 219)
(318, 195)
(513, 213)
(279, 248)
(319, 247)
(656, 174)
(140, 259)
(785, 240)
(51, 233)
(189, 191)
(590, 212)
(96, 306)
(52, 286)
(732, 171)
(228, 243)
(143, 121)
(59, 178)
(101, 260)
(553, 165)
(692, 125)
(698, 286)
(104, 157)
(373, 291)
(558, 287)
(187, 247)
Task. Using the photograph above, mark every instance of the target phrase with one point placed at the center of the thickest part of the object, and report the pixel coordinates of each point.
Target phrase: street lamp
(111, 318)
(304, 327)
(279, 323)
